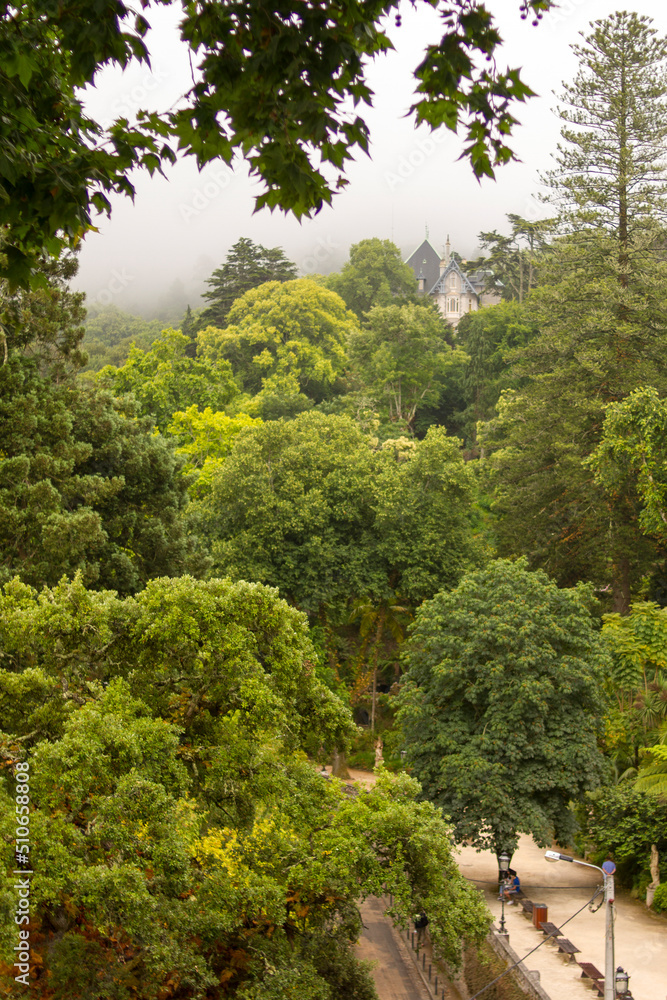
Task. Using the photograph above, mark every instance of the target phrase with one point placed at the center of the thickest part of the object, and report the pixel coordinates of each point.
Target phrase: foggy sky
(179, 229)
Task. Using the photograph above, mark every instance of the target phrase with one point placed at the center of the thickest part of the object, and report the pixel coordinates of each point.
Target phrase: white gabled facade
(455, 291)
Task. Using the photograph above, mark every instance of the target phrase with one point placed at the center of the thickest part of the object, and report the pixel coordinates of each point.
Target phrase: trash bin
(539, 915)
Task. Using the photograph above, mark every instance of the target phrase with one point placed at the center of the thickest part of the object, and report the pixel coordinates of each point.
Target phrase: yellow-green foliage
(206, 438)
(281, 329)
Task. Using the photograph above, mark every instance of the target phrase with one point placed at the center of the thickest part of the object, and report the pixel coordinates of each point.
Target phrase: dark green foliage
(306, 505)
(632, 453)
(291, 507)
(85, 486)
(548, 504)
(501, 703)
(660, 898)
(147, 524)
(404, 363)
(491, 337)
(423, 516)
(246, 266)
(513, 261)
(600, 310)
(45, 323)
(625, 822)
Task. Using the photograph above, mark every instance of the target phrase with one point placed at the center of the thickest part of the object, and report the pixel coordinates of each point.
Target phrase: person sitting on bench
(511, 887)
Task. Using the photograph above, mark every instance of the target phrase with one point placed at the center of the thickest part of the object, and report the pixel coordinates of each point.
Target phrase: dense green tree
(45, 324)
(144, 512)
(625, 822)
(376, 618)
(501, 704)
(282, 100)
(632, 455)
(490, 337)
(85, 486)
(423, 515)
(375, 275)
(213, 657)
(637, 718)
(284, 338)
(548, 503)
(307, 505)
(403, 360)
(610, 173)
(601, 314)
(292, 507)
(165, 379)
(181, 842)
(246, 266)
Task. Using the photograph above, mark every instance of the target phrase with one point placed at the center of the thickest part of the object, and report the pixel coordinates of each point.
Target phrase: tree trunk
(376, 649)
(621, 586)
(339, 764)
(374, 698)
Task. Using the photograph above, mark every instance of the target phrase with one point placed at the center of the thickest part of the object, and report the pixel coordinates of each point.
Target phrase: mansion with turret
(455, 291)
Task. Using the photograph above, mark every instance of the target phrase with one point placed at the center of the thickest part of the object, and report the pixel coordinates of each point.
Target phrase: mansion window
(453, 305)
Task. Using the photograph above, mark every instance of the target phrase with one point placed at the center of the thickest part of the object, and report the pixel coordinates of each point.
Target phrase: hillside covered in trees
(312, 516)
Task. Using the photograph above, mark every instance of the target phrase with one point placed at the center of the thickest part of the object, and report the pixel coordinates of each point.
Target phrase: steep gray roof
(425, 260)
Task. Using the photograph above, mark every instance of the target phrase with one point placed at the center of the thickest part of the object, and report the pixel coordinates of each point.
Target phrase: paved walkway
(641, 936)
(393, 970)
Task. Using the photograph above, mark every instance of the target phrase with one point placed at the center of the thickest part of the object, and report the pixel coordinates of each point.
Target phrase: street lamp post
(503, 865)
(622, 979)
(608, 884)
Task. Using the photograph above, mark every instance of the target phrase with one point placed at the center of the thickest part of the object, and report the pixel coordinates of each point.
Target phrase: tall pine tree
(601, 313)
(610, 171)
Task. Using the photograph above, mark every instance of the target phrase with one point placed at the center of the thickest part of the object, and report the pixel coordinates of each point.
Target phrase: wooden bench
(588, 971)
(527, 906)
(565, 947)
(549, 930)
